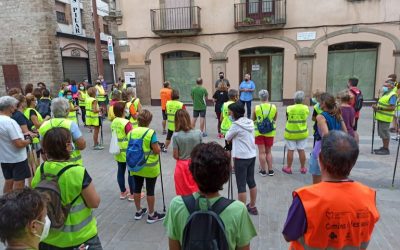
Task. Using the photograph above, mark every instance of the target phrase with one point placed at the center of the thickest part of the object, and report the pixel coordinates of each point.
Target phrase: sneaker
(123, 195)
(204, 134)
(252, 210)
(383, 151)
(98, 147)
(271, 172)
(396, 138)
(303, 170)
(164, 150)
(139, 215)
(379, 149)
(263, 173)
(156, 217)
(287, 170)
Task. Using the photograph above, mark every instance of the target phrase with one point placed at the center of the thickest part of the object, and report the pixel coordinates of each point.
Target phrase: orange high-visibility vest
(339, 215)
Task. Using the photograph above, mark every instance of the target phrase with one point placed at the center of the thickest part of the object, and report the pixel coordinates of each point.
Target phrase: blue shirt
(393, 100)
(247, 96)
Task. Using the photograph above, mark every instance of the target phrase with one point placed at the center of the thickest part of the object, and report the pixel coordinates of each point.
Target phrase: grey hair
(130, 91)
(339, 153)
(232, 93)
(263, 95)
(299, 97)
(7, 101)
(60, 107)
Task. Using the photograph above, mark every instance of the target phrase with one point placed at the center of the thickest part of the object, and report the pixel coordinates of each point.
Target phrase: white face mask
(46, 228)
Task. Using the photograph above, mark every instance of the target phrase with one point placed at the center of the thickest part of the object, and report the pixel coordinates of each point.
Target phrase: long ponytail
(331, 105)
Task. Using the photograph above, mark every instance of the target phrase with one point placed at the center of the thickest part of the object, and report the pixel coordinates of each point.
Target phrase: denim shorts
(314, 165)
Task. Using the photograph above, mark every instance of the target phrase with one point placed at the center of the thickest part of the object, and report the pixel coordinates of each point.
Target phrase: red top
(353, 99)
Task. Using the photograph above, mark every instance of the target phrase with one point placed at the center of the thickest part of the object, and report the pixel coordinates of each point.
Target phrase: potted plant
(248, 20)
(267, 19)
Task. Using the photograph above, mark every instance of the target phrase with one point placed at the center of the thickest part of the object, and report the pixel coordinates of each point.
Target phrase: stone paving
(119, 230)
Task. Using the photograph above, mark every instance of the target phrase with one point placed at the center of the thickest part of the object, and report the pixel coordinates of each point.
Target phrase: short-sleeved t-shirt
(165, 95)
(75, 131)
(9, 131)
(19, 117)
(185, 142)
(220, 98)
(247, 96)
(239, 228)
(199, 95)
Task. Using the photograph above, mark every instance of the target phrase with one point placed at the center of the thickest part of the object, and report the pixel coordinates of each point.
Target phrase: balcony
(182, 21)
(261, 15)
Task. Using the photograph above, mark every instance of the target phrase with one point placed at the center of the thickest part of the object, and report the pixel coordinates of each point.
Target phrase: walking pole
(395, 164)
(284, 155)
(101, 131)
(162, 184)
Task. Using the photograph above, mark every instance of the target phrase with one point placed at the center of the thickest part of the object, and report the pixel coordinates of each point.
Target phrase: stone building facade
(286, 45)
(38, 44)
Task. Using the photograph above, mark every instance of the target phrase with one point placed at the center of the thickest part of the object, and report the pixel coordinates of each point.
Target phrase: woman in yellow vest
(133, 106)
(116, 97)
(264, 142)
(76, 187)
(82, 95)
(101, 96)
(151, 169)
(171, 107)
(92, 117)
(296, 132)
(72, 115)
(337, 213)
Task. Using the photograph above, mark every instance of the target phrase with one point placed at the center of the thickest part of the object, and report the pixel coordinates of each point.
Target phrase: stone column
(305, 61)
(218, 65)
(396, 54)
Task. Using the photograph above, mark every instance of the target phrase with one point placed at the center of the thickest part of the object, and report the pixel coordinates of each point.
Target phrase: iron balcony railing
(176, 19)
(263, 13)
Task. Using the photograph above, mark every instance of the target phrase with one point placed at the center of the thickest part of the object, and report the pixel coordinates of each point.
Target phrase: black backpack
(43, 107)
(359, 100)
(50, 190)
(266, 125)
(205, 229)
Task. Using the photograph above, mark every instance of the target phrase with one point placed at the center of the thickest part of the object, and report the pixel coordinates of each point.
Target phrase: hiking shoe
(378, 149)
(98, 147)
(123, 195)
(287, 170)
(383, 151)
(271, 172)
(252, 210)
(263, 173)
(303, 170)
(139, 215)
(156, 217)
(164, 150)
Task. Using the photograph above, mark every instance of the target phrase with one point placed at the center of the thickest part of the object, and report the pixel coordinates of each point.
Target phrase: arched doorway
(352, 59)
(182, 68)
(265, 64)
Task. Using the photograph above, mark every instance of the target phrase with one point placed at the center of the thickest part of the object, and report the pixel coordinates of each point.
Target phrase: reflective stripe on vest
(347, 224)
(171, 108)
(226, 123)
(261, 114)
(100, 93)
(383, 102)
(152, 166)
(296, 126)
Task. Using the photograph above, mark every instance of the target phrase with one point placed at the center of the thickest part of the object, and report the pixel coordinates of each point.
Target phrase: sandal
(303, 170)
(287, 170)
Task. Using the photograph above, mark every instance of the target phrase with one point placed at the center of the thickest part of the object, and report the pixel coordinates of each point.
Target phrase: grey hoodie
(241, 134)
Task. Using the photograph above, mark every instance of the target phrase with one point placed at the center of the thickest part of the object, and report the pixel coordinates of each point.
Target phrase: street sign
(76, 18)
(306, 36)
(111, 56)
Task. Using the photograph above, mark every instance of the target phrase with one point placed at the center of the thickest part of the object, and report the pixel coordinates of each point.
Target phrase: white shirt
(241, 134)
(9, 131)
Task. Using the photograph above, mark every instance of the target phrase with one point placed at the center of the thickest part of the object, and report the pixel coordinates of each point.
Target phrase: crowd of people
(41, 144)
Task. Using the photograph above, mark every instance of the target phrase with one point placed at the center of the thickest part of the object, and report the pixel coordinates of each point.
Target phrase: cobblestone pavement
(119, 230)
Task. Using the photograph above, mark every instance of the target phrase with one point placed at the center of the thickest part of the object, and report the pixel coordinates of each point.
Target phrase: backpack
(359, 100)
(204, 229)
(132, 109)
(50, 190)
(43, 107)
(135, 158)
(266, 125)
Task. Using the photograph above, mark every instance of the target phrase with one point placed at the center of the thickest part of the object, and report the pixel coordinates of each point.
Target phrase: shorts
(169, 134)
(196, 113)
(264, 140)
(383, 130)
(16, 171)
(164, 115)
(314, 165)
(355, 124)
(296, 144)
(150, 185)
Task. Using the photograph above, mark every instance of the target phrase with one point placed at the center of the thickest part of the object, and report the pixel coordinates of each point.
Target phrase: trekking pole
(395, 164)
(101, 132)
(284, 155)
(373, 126)
(162, 184)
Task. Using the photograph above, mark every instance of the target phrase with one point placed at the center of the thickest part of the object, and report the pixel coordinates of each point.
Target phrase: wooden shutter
(11, 76)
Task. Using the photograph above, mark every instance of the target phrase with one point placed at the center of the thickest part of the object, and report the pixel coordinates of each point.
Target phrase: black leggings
(244, 171)
(150, 185)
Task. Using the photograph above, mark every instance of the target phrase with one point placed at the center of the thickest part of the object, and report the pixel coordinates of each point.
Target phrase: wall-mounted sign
(111, 56)
(306, 36)
(130, 79)
(255, 67)
(76, 18)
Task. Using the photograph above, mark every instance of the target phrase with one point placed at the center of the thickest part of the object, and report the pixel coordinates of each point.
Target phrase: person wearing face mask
(72, 115)
(246, 89)
(23, 220)
(222, 79)
(82, 95)
(76, 188)
(384, 113)
(101, 96)
(13, 155)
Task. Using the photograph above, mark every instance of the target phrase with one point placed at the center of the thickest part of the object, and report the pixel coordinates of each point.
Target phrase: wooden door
(11, 76)
(260, 70)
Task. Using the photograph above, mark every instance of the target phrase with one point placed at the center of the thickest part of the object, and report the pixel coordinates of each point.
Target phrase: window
(61, 17)
(106, 30)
